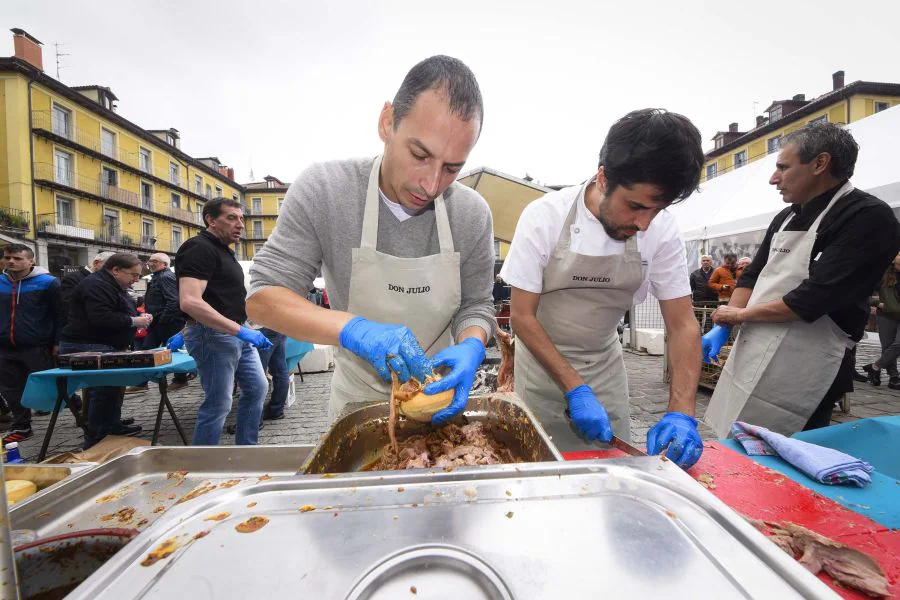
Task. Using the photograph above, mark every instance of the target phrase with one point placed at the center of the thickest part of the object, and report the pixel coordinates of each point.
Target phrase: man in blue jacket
(29, 331)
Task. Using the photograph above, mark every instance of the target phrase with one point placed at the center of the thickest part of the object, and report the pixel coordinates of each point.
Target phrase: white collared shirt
(540, 225)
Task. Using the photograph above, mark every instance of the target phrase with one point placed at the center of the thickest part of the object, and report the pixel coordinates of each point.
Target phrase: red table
(761, 493)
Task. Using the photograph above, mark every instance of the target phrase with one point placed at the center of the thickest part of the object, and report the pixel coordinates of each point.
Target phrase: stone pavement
(306, 420)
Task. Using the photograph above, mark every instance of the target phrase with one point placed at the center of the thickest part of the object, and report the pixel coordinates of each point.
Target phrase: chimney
(732, 127)
(28, 48)
(760, 120)
(230, 173)
(799, 98)
(837, 80)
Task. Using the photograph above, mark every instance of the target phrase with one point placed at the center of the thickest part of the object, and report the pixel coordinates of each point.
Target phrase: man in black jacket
(161, 301)
(700, 291)
(29, 331)
(103, 318)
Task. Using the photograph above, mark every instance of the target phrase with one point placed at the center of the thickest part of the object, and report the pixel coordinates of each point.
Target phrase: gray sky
(278, 85)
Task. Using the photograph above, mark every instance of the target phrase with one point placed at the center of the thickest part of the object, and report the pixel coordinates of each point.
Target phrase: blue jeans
(273, 361)
(105, 410)
(222, 358)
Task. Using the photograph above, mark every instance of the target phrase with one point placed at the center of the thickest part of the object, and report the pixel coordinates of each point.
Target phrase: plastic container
(12, 455)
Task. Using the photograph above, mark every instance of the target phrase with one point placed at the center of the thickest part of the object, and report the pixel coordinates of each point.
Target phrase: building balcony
(100, 191)
(180, 213)
(43, 119)
(88, 185)
(111, 192)
(14, 221)
(52, 224)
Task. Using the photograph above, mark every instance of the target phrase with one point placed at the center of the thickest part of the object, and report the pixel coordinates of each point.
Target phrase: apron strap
(565, 237)
(370, 215)
(445, 238)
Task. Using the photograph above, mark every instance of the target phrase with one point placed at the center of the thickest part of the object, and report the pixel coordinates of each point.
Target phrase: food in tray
(410, 399)
(19, 489)
(445, 447)
(505, 375)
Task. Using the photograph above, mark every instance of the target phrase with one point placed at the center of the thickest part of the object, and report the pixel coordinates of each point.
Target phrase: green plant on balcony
(44, 225)
(127, 240)
(13, 220)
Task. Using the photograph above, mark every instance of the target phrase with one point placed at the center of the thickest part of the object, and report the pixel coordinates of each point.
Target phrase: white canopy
(743, 201)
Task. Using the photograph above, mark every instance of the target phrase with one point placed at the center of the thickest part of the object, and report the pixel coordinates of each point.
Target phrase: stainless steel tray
(622, 528)
(135, 489)
(356, 440)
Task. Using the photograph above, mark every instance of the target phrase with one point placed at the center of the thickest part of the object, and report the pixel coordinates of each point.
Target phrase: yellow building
(843, 104)
(79, 178)
(263, 201)
(507, 196)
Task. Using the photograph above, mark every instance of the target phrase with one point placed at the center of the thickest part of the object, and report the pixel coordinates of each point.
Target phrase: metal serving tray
(356, 440)
(135, 489)
(621, 528)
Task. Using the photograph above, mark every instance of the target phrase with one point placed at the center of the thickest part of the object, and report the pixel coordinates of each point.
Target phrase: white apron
(422, 293)
(777, 373)
(582, 300)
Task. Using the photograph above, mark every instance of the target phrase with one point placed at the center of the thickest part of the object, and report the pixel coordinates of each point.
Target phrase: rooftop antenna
(58, 55)
(252, 178)
(755, 104)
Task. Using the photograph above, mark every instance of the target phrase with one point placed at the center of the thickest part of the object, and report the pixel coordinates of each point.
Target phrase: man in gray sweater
(407, 253)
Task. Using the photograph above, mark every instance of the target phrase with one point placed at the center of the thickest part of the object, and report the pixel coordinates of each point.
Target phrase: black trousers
(158, 334)
(15, 366)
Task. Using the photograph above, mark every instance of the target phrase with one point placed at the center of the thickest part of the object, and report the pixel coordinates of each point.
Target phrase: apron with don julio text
(422, 293)
(582, 300)
(778, 373)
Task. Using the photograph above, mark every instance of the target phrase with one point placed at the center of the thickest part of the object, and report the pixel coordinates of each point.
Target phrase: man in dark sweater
(68, 283)
(103, 318)
(29, 331)
(700, 290)
(161, 301)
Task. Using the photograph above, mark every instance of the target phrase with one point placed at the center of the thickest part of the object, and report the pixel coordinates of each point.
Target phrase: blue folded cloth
(825, 465)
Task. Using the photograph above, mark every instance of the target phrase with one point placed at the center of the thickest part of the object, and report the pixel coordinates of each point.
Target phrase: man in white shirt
(579, 259)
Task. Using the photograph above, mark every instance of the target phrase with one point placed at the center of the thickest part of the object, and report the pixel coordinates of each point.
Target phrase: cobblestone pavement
(306, 420)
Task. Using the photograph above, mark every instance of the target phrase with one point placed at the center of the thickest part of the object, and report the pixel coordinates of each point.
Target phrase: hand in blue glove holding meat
(382, 345)
(679, 432)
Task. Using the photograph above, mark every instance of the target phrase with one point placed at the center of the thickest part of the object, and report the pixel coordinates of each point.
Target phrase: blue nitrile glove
(679, 432)
(382, 345)
(713, 341)
(255, 337)
(588, 414)
(464, 359)
(176, 342)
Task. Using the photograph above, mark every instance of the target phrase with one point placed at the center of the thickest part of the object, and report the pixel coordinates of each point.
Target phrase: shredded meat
(448, 446)
(505, 377)
(816, 552)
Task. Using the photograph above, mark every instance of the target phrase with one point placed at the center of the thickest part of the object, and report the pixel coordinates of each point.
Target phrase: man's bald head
(158, 261)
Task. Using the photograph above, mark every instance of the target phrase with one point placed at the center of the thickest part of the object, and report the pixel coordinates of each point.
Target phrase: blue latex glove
(176, 342)
(255, 337)
(588, 414)
(464, 359)
(713, 341)
(679, 432)
(382, 345)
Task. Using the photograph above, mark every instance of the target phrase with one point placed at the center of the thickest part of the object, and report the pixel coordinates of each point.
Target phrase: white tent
(742, 202)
